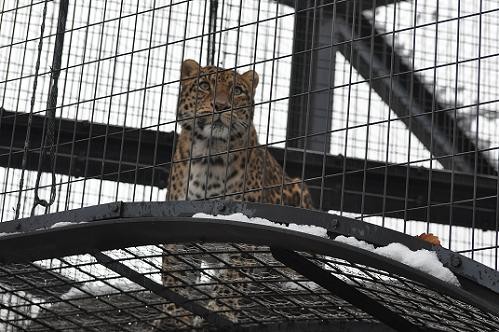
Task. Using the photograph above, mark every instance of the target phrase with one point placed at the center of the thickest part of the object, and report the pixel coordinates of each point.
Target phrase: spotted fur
(217, 155)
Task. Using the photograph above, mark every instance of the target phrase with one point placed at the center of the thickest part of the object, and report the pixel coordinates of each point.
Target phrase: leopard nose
(222, 106)
(222, 102)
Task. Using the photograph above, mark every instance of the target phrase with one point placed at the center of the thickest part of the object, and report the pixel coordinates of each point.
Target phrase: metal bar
(158, 289)
(299, 76)
(417, 199)
(435, 133)
(340, 288)
(72, 151)
(475, 277)
(83, 215)
(311, 71)
(212, 28)
(156, 158)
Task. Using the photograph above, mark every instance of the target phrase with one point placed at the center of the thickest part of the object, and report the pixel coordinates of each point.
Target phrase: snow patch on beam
(312, 230)
(423, 260)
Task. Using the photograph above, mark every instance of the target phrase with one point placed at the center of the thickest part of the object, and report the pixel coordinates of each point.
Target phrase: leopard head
(215, 102)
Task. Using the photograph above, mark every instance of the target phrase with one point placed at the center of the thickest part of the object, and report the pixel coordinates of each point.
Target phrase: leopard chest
(214, 177)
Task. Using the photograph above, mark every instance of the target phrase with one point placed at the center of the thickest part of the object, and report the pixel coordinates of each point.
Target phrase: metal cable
(30, 117)
(49, 133)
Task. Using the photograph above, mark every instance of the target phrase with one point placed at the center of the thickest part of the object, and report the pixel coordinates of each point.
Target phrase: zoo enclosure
(387, 110)
(391, 133)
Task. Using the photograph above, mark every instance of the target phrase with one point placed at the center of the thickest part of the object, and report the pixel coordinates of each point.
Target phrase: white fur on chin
(216, 131)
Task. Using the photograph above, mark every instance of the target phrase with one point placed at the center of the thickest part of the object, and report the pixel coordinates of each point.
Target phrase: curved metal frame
(118, 225)
(473, 276)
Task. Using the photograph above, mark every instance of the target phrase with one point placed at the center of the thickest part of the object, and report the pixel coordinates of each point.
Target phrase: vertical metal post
(212, 28)
(317, 65)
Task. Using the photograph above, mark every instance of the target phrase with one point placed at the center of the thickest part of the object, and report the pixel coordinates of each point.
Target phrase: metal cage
(385, 110)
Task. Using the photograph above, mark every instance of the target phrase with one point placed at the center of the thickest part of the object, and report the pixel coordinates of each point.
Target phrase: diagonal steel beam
(213, 318)
(340, 288)
(393, 80)
(400, 88)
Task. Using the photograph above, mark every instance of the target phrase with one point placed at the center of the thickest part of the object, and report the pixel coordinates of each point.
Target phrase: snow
(354, 242)
(20, 299)
(7, 234)
(98, 288)
(301, 285)
(312, 230)
(65, 223)
(423, 260)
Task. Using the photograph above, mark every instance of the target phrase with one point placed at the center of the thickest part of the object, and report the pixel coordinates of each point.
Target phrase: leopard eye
(237, 90)
(204, 85)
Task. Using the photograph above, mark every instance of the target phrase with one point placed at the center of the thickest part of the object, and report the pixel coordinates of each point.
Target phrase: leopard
(218, 156)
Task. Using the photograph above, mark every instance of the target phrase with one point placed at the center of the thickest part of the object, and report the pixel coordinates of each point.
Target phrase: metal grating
(268, 279)
(269, 293)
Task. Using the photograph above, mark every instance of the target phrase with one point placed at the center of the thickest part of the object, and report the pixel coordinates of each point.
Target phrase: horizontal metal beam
(364, 183)
(86, 149)
(364, 179)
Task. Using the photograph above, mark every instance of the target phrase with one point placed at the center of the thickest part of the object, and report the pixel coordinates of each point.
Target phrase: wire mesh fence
(382, 111)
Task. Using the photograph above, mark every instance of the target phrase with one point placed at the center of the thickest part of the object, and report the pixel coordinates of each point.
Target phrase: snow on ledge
(423, 260)
(312, 230)
(66, 223)
(7, 234)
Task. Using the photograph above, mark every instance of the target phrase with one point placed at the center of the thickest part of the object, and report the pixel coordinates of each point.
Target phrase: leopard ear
(251, 77)
(190, 68)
